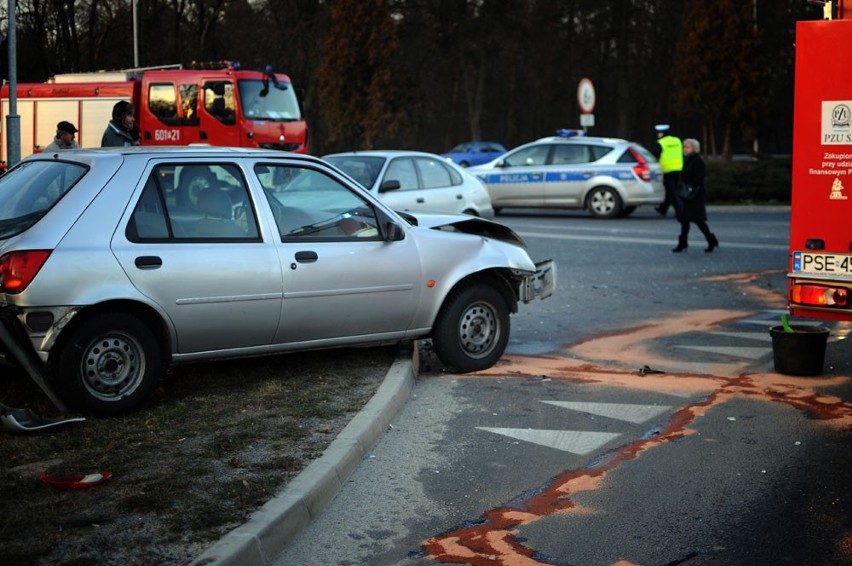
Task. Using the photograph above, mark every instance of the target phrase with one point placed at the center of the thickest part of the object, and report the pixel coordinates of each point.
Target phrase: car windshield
(28, 191)
(362, 168)
(266, 101)
(462, 148)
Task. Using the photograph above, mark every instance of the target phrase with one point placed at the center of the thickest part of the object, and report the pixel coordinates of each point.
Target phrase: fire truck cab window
(219, 101)
(162, 102)
(189, 103)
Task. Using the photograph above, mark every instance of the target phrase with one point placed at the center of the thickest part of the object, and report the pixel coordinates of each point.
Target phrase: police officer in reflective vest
(669, 152)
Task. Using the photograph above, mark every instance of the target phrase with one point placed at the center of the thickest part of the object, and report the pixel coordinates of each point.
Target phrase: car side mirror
(393, 232)
(389, 185)
(500, 163)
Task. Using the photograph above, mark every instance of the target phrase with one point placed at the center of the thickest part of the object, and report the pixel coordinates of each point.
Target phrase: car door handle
(148, 262)
(587, 173)
(460, 197)
(306, 257)
(421, 200)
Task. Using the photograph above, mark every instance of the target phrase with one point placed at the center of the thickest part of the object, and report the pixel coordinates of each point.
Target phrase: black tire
(627, 211)
(604, 202)
(464, 164)
(472, 329)
(110, 364)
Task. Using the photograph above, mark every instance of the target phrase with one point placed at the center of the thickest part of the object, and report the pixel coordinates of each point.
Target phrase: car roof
(190, 151)
(577, 139)
(386, 153)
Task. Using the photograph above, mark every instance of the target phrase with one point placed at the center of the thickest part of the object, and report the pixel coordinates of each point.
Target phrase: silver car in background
(115, 263)
(609, 177)
(414, 180)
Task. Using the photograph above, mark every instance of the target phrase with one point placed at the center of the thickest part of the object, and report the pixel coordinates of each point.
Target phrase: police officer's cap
(662, 127)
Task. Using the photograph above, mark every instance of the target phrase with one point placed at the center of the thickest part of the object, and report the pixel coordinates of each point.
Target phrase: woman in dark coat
(693, 210)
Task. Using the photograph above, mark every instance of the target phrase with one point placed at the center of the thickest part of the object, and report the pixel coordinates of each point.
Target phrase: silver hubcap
(603, 202)
(112, 366)
(478, 330)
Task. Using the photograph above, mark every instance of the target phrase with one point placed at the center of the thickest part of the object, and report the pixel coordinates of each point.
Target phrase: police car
(609, 177)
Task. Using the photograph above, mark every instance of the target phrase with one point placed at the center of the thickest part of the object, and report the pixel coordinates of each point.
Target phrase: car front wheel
(604, 202)
(472, 329)
(110, 364)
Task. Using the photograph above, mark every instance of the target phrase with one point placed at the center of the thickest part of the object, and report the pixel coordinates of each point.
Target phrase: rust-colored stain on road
(492, 540)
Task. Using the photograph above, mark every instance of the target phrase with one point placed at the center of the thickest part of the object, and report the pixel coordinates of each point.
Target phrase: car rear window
(628, 157)
(363, 169)
(28, 191)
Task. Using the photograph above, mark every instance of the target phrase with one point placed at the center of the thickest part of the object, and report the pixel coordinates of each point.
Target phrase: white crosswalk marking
(573, 441)
(759, 336)
(747, 352)
(630, 413)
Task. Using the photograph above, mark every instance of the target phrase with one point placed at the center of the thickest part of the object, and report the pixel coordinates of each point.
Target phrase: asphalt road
(570, 452)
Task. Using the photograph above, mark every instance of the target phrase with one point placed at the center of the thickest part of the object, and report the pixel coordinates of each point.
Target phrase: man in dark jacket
(119, 131)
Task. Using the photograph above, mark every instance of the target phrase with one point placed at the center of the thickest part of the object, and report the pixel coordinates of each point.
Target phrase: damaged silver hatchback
(116, 263)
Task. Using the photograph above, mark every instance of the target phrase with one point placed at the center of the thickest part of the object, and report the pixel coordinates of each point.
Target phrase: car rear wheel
(108, 366)
(472, 329)
(604, 202)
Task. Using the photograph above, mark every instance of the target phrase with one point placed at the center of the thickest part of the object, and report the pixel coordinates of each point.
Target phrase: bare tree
(356, 79)
(718, 71)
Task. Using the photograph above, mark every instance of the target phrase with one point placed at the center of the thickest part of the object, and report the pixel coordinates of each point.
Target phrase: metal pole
(135, 37)
(13, 120)
(756, 145)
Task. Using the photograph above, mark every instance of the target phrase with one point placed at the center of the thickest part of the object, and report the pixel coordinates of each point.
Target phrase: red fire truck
(224, 105)
(820, 270)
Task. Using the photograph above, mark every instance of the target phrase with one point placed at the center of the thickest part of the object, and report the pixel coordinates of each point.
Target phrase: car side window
(568, 154)
(529, 156)
(434, 173)
(402, 170)
(194, 202)
(599, 151)
(309, 205)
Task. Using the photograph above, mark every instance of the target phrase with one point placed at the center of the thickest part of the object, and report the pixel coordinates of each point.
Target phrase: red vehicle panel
(224, 107)
(820, 267)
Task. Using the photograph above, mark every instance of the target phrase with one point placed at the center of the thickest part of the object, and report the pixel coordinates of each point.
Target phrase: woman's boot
(681, 245)
(712, 243)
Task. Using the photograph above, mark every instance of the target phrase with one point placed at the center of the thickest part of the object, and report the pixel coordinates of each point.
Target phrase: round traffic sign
(586, 96)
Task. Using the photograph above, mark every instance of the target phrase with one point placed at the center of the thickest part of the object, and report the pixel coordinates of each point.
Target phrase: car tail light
(641, 169)
(17, 269)
(820, 295)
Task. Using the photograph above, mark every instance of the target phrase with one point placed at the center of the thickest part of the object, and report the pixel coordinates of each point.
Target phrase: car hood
(466, 224)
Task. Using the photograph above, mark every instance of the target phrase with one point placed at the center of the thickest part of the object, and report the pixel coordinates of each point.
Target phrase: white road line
(624, 412)
(574, 441)
(635, 240)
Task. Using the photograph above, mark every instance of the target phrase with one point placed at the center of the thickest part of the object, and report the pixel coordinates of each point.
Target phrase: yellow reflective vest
(671, 156)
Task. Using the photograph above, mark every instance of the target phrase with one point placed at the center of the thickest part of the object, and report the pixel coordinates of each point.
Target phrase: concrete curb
(280, 520)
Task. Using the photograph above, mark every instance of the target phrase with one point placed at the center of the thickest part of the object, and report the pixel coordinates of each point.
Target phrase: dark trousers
(702, 225)
(670, 182)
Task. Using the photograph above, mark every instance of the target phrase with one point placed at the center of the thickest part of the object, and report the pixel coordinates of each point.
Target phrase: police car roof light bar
(567, 133)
